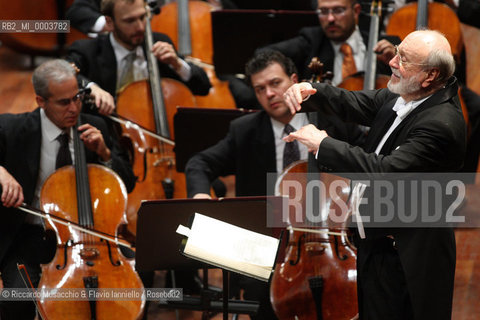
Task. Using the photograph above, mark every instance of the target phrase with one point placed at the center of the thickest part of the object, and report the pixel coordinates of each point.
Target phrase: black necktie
(64, 157)
(291, 152)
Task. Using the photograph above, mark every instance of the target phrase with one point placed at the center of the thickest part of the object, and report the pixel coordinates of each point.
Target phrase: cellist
(105, 60)
(253, 146)
(29, 153)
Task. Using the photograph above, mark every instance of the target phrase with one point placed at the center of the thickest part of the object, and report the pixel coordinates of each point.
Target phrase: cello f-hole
(116, 263)
(299, 245)
(337, 251)
(65, 257)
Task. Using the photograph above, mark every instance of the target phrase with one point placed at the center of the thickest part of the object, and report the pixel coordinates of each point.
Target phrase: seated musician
(338, 28)
(29, 153)
(253, 146)
(111, 61)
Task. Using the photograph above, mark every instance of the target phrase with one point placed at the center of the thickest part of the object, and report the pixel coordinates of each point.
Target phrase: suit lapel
(32, 138)
(380, 126)
(108, 61)
(265, 144)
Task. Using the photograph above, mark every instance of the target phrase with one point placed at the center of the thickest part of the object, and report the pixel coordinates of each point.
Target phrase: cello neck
(422, 14)
(159, 110)
(84, 201)
(371, 66)
(184, 34)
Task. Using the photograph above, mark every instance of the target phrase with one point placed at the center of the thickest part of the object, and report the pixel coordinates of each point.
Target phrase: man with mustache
(417, 126)
(103, 61)
(338, 28)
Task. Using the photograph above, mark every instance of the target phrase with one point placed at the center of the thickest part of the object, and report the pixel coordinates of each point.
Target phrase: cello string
(53, 218)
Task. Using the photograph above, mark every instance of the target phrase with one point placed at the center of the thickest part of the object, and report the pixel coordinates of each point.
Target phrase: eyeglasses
(75, 99)
(336, 11)
(401, 62)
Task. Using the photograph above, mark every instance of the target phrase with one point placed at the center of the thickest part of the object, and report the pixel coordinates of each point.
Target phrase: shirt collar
(49, 129)
(355, 41)
(299, 120)
(120, 51)
(403, 108)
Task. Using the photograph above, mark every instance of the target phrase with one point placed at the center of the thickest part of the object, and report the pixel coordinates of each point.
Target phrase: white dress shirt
(140, 68)
(48, 154)
(298, 121)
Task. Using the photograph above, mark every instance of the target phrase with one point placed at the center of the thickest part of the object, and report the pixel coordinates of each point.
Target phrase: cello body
(153, 161)
(195, 22)
(82, 260)
(317, 279)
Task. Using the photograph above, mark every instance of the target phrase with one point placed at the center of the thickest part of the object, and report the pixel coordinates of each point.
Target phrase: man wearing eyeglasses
(417, 126)
(29, 148)
(338, 27)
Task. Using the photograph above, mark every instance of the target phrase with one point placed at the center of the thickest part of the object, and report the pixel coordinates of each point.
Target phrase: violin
(95, 197)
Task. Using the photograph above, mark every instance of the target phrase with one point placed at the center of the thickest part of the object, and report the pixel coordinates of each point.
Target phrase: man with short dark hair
(254, 147)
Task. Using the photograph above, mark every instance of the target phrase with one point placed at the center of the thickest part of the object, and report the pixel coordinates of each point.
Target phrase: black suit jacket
(96, 60)
(431, 138)
(248, 151)
(83, 14)
(20, 142)
(312, 42)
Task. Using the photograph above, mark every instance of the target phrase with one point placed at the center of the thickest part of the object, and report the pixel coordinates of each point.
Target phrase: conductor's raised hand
(296, 94)
(308, 135)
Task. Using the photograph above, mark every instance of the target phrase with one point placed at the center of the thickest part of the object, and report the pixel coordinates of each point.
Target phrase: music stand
(238, 33)
(189, 128)
(158, 244)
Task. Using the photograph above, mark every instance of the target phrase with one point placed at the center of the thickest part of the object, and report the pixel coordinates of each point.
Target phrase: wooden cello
(189, 25)
(152, 104)
(317, 279)
(95, 197)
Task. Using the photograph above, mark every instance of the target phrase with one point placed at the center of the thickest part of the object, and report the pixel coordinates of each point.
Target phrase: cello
(152, 104)
(189, 25)
(317, 279)
(94, 196)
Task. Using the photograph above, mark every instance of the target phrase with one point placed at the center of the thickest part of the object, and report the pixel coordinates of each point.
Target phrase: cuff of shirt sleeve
(185, 71)
(107, 163)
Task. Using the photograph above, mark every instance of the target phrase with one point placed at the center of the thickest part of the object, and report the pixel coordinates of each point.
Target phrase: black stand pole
(225, 275)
